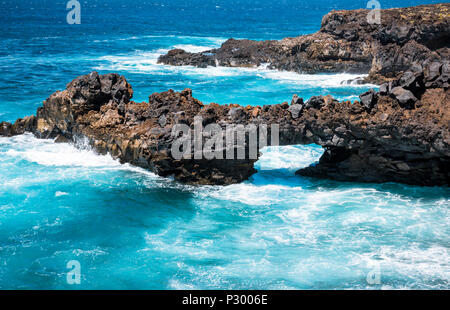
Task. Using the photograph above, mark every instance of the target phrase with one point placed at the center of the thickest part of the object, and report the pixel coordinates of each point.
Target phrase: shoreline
(345, 43)
(399, 133)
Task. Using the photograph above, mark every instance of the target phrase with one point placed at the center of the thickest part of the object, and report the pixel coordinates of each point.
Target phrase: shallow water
(131, 229)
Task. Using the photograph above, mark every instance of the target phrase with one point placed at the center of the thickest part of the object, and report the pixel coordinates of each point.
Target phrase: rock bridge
(400, 133)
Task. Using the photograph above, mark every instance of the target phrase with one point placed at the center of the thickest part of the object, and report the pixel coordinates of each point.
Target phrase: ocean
(130, 229)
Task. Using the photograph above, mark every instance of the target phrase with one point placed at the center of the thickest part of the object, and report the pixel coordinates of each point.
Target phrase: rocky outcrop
(346, 42)
(400, 133)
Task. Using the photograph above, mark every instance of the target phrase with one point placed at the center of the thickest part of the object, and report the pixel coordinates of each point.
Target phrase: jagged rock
(345, 43)
(296, 110)
(384, 89)
(383, 145)
(436, 74)
(404, 97)
(61, 139)
(162, 121)
(315, 102)
(408, 80)
(19, 127)
(444, 79)
(296, 100)
(387, 144)
(432, 71)
(368, 99)
(236, 114)
(5, 129)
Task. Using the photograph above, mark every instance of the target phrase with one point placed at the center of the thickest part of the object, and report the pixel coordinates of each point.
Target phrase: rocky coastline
(397, 134)
(400, 133)
(346, 42)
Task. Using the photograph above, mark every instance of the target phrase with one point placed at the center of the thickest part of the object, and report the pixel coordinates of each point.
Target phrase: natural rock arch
(398, 134)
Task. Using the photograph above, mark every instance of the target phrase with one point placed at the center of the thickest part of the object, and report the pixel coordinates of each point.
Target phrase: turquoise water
(131, 229)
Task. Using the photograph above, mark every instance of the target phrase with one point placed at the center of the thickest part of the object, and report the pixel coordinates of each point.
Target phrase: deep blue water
(130, 229)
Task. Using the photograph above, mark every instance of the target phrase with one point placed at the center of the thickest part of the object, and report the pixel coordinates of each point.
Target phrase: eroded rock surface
(346, 42)
(400, 133)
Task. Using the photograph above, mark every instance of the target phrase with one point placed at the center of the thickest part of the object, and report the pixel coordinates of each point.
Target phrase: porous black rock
(405, 98)
(381, 145)
(315, 102)
(368, 99)
(296, 110)
(346, 42)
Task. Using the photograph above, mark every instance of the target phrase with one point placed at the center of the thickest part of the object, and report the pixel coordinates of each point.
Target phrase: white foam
(194, 48)
(145, 62)
(91, 253)
(132, 38)
(50, 154)
(322, 80)
(251, 194)
(274, 157)
(178, 285)
(411, 261)
(290, 157)
(211, 41)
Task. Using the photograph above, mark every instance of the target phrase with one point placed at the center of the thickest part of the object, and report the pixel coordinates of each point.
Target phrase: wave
(414, 262)
(145, 62)
(288, 157)
(207, 42)
(47, 153)
(50, 154)
(193, 48)
(321, 80)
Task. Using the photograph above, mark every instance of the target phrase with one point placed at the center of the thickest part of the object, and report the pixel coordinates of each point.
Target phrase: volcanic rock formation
(346, 42)
(400, 133)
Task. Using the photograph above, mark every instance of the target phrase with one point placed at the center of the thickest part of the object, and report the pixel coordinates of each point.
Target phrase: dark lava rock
(296, 100)
(368, 99)
(384, 89)
(162, 121)
(408, 80)
(405, 98)
(61, 139)
(296, 110)
(432, 71)
(386, 144)
(315, 102)
(236, 114)
(346, 42)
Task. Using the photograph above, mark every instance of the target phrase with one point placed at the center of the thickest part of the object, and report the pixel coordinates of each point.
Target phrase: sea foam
(145, 62)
